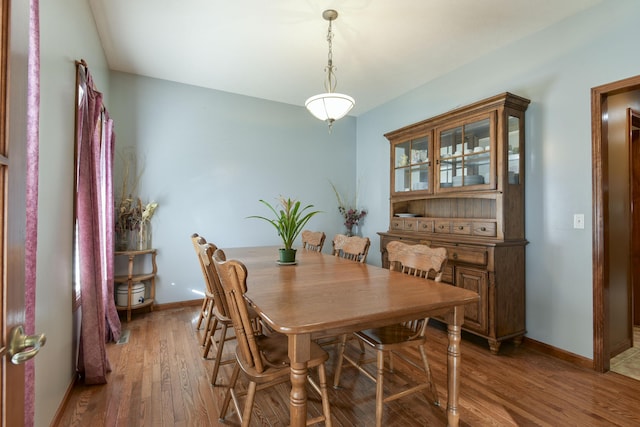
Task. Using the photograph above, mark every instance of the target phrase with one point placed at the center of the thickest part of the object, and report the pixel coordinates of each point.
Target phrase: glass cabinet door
(465, 155)
(411, 165)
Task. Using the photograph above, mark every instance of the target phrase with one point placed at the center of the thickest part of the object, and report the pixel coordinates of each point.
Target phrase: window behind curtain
(81, 82)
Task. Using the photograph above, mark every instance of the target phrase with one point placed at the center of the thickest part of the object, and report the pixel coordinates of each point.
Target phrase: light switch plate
(578, 221)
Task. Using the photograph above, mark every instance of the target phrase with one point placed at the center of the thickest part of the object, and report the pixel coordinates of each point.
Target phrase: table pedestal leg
(299, 354)
(454, 321)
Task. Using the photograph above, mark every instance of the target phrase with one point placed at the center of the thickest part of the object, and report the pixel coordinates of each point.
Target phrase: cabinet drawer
(410, 224)
(404, 224)
(467, 255)
(442, 227)
(487, 229)
(397, 224)
(425, 225)
(459, 227)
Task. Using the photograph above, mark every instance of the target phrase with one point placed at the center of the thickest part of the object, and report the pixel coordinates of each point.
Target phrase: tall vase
(132, 240)
(122, 240)
(349, 231)
(144, 236)
(353, 230)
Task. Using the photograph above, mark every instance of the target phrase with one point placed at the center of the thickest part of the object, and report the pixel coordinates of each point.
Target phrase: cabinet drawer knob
(483, 228)
(454, 256)
(460, 227)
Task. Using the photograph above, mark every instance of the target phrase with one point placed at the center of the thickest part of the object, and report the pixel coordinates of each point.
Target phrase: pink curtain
(31, 231)
(94, 216)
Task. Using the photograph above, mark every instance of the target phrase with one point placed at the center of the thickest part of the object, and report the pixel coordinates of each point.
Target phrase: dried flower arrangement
(351, 214)
(132, 215)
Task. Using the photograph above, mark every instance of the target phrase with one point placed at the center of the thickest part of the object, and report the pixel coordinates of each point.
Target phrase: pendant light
(330, 106)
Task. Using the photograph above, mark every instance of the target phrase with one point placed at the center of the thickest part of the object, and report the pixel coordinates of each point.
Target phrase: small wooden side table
(148, 279)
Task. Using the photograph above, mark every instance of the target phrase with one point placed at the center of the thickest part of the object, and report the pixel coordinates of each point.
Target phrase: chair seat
(388, 337)
(274, 352)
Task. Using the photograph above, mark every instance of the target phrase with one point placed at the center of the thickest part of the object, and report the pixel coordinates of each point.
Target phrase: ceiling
(277, 49)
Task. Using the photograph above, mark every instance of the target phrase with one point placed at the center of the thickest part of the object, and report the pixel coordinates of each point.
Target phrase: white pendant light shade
(330, 106)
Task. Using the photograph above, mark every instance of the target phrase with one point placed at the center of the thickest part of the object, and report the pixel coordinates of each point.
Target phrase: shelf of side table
(131, 277)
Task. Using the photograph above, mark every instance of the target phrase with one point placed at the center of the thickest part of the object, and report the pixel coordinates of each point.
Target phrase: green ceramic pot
(287, 255)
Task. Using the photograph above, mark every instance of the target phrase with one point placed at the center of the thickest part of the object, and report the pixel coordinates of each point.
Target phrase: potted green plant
(289, 220)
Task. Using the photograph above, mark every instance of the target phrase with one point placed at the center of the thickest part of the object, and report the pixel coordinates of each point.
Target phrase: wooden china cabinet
(457, 181)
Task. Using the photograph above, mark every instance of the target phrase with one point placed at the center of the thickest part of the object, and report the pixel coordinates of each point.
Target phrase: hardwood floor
(160, 379)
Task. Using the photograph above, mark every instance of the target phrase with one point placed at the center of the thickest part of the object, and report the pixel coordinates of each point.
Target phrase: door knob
(23, 347)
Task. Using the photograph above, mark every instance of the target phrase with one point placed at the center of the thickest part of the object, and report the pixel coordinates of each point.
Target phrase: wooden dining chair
(313, 240)
(220, 311)
(262, 358)
(415, 260)
(206, 312)
(354, 248)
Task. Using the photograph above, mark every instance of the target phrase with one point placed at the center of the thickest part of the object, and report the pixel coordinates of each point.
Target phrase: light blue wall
(209, 156)
(555, 69)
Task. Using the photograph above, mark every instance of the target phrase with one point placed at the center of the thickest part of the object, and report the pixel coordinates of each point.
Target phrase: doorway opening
(611, 272)
(633, 132)
(626, 360)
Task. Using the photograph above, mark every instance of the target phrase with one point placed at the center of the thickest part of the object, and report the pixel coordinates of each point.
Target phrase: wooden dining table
(326, 295)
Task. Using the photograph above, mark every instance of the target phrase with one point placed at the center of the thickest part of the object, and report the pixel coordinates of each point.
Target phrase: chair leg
(339, 360)
(325, 395)
(248, 404)
(216, 363)
(202, 311)
(207, 322)
(227, 395)
(427, 370)
(211, 331)
(379, 387)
